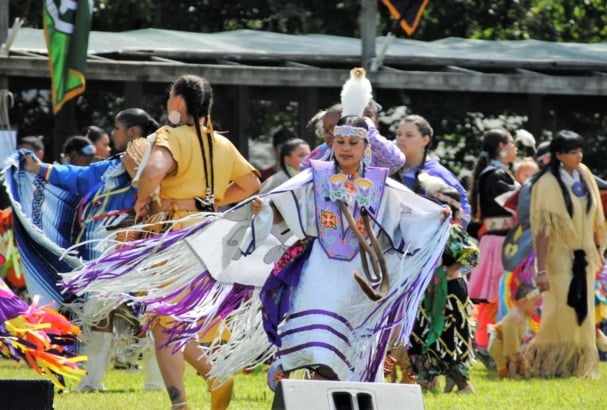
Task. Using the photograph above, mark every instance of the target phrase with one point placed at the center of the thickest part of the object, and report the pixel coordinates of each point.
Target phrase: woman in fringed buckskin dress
(568, 227)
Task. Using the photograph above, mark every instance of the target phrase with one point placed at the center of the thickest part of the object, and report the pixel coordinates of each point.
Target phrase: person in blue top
(105, 186)
(414, 139)
(107, 201)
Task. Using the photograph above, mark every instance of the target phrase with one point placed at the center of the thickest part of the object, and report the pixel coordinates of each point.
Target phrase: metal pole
(368, 16)
(3, 21)
(3, 35)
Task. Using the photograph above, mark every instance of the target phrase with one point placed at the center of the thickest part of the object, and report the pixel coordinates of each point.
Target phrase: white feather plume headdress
(431, 184)
(437, 188)
(356, 93)
(525, 138)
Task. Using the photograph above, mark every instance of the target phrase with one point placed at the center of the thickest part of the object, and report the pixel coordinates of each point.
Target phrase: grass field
(251, 393)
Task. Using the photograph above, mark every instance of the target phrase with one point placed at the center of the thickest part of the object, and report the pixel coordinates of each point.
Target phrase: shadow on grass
(106, 391)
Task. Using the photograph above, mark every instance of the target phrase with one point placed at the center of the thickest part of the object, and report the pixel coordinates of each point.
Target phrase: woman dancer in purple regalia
(314, 311)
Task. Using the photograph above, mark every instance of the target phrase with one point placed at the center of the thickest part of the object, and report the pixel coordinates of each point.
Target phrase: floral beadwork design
(328, 219)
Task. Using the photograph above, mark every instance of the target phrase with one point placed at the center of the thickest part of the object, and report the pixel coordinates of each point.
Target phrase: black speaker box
(26, 394)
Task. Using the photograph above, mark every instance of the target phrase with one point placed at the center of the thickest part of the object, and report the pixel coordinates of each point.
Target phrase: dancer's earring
(174, 117)
(367, 156)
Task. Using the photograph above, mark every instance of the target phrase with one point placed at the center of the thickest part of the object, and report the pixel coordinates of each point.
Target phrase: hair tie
(484, 154)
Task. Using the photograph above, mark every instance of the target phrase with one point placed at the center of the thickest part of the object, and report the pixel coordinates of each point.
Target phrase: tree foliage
(551, 20)
(548, 20)
(458, 119)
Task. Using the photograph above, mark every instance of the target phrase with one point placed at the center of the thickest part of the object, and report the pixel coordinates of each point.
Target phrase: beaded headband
(535, 292)
(350, 131)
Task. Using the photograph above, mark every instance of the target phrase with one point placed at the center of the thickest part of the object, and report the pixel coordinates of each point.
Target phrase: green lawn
(251, 392)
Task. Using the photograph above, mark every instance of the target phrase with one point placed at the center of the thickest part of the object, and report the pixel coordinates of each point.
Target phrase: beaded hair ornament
(350, 131)
(535, 292)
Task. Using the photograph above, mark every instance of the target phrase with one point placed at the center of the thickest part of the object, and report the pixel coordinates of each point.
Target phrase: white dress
(330, 321)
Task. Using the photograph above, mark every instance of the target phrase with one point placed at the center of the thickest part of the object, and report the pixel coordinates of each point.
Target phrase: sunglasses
(88, 150)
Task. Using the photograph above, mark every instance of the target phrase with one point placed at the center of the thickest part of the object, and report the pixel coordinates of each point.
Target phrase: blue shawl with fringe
(45, 223)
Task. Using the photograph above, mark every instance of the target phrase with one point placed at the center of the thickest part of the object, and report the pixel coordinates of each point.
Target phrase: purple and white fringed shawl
(149, 271)
(182, 273)
(352, 337)
(391, 319)
(200, 274)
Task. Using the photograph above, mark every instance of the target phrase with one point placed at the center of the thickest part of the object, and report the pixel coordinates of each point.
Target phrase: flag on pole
(407, 12)
(66, 28)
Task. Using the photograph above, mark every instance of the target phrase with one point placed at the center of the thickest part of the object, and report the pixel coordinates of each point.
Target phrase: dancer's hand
(542, 281)
(256, 205)
(445, 213)
(31, 163)
(141, 208)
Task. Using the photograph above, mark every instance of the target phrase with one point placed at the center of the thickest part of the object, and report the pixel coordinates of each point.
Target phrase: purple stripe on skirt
(321, 312)
(327, 346)
(317, 327)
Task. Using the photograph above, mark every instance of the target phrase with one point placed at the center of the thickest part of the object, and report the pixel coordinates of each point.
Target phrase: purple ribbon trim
(317, 327)
(322, 312)
(327, 346)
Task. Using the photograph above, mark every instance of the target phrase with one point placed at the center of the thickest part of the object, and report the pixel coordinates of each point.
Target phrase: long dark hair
(564, 141)
(490, 151)
(423, 126)
(136, 117)
(198, 96)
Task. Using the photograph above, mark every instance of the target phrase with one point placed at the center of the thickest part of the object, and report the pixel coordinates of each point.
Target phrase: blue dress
(434, 168)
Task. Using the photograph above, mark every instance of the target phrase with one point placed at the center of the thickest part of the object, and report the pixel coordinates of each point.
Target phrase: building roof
(248, 57)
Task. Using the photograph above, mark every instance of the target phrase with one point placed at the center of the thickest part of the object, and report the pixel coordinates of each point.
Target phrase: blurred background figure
(280, 135)
(78, 151)
(542, 156)
(416, 139)
(323, 122)
(372, 111)
(524, 169)
(506, 342)
(101, 140)
(34, 143)
(292, 153)
(492, 177)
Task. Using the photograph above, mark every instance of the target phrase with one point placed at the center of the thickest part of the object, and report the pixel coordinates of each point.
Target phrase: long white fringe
(248, 345)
